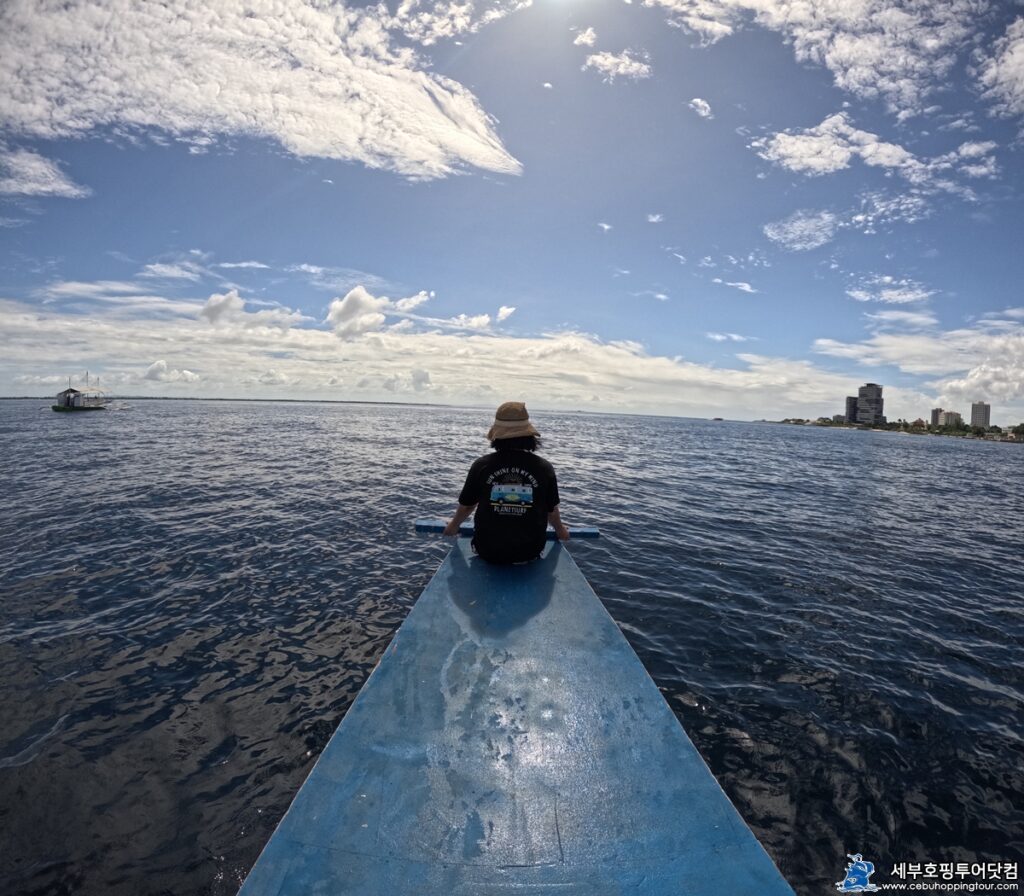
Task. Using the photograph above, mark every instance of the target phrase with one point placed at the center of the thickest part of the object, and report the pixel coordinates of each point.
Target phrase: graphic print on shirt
(511, 491)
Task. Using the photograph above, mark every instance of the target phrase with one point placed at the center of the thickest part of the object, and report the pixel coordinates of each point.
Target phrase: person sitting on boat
(514, 491)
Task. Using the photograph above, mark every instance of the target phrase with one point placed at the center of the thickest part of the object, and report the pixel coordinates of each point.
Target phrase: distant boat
(87, 399)
(718, 418)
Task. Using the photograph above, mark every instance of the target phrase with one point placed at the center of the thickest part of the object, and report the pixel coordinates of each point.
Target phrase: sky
(737, 208)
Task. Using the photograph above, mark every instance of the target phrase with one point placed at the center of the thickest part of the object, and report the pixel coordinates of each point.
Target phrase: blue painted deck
(511, 742)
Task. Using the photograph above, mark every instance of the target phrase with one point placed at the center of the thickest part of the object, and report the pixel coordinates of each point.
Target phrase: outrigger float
(511, 743)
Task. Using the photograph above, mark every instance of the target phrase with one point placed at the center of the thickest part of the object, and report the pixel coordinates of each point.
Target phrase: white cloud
(603, 226)
(819, 150)
(962, 122)
(419, 379)
(833, 144)
(877, 209)
(874, 48)
(986, 168)
(161, 372)
(942, 353)
(221, 306)
(976, 149)
(585, 38)
(997, 379)
(360, 312)
(728, 337)
(88, 288)
(740, 285)
(701, 107)
(802, 230)
(357, 313)
(25, 173)
(808, 229)
(171, 271)
(656, 218)
(620, 65)
(888, 289)
(413, 302)
(229, 309)
(505, 312)
(243, 264)
(471, 322)
(427, 23)
(547, 85)
(115, 298)
(322, 80)
(34, 379)
(272, 378)
(338, 279)
(1001, 73)
(903, 319)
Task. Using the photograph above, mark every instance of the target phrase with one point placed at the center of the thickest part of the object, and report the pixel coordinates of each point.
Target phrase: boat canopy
(88, 393)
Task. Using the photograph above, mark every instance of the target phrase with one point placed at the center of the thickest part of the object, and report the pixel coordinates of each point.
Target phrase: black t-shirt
(514, 491)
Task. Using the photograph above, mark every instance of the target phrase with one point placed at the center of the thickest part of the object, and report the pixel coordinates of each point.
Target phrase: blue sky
(742, 208)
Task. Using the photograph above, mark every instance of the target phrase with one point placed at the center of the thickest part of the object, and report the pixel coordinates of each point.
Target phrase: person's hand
(452, 528)
(562, 531)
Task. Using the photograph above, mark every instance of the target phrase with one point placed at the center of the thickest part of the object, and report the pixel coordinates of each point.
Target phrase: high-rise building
(981, 414)
(851, 409)
(950, 418)
(869, 404)
(936, 413)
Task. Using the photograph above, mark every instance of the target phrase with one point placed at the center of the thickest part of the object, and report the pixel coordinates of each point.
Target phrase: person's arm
(461, 515)
(556, 523)
(469, 497)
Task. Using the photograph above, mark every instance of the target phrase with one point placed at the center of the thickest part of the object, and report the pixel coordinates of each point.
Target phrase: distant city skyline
(866, 408)
(701, 209)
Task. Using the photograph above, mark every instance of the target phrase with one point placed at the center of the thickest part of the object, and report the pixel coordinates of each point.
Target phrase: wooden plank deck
(511, 742)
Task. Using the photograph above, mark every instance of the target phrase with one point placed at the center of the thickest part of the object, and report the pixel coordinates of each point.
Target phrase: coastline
(1012, 435)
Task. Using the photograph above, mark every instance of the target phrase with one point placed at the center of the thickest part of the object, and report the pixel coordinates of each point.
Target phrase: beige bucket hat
(511, 421)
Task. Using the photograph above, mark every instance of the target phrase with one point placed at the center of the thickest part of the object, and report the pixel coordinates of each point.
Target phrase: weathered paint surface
(511, 742)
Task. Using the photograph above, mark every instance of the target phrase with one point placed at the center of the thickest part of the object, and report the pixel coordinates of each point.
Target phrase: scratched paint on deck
(510, 741)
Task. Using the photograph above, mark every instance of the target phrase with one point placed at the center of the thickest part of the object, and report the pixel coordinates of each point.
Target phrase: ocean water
(192, 593)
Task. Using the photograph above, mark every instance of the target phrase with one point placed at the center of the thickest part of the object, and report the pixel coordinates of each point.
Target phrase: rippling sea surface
(192, 594)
